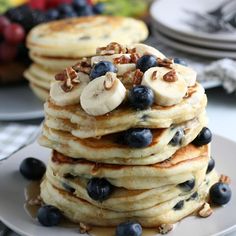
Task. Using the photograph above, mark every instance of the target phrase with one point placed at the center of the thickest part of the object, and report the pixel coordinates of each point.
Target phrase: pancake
(107, 150)
(80, 210)
(124, 117)
(177, 169)
(79, 37)
(40, 92)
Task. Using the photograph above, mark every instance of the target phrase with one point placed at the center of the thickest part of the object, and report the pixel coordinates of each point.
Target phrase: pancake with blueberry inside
(130, 141)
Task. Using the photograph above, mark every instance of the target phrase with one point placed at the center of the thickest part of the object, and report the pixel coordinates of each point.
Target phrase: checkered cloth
(13, 136)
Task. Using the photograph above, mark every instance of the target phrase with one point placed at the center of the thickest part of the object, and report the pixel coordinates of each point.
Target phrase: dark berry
(180, 61)
(52, 14)
(32, 168)
(138, 138)
(211, 165)
(68, 188)
(4, 22)
(178, 137)
(187, 185)
(179, 205)
(141, 97)
(220, 193)
(7, 52)
(68, 15)
(85, 11)
(49, 215)
(145, 62)
(65, 8)
(193, 196)
(101, 68)
(203, 138)
(129, 228)
(78, 4)
(99, 189)
(99, 8)
(14, 33)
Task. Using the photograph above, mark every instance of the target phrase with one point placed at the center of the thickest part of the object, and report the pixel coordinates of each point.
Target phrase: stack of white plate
(186, 25)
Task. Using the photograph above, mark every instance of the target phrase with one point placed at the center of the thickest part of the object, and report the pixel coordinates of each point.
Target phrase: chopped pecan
(131, 50)
(111, 48)
(170, 76)
(84, 228)
(154, 75)
(165, 62)
(137, 78)
(225, 179)
(134, 57)
(83, 66)
(109, 80)
(165, 228)
(124, 59)
(205, 211)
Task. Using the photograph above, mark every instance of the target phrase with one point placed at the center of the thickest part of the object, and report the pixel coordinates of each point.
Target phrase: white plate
(12, 199)
(194, 41)
(210, 53)
(19, 103)
(172, 14)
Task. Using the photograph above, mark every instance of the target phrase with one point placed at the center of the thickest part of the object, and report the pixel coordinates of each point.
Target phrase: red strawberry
(38, 4)
(55, 3)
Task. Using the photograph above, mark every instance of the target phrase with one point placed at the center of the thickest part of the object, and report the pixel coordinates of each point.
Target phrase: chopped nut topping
(131, 50)
(83, 66)
(165, 228)
(84, 228)
(124, 59)
(225, 179)
(110, 49)
(137, 78)
(35, 201)
(109, 80)
(165, 62)
(154, 75)
(205, 211)
(134, 57)
(69, 78)
(170, 76)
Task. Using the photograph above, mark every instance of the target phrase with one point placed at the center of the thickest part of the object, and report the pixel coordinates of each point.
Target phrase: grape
(4, 22)
(14, 33)
(7, 52)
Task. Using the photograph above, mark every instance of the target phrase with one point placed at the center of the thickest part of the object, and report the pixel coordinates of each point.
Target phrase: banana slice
(143, 49)
(188, 74)
(102, 95)
(62, 98)
(166, 93)
(121, 68)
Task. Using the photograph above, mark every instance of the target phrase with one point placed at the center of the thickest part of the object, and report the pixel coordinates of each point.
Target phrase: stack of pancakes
(59, 44)
(157, 184)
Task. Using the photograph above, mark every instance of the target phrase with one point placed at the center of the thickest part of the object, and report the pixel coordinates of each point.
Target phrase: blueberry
(179, 205)
(65, 8)
(138, 137)
(68, 15)
(220, 193)
(180, 61)
(101, 68)
(32, 168)
(211, 165)
(178, 137)
(193, 196)
(49, 215)
(145, 62)
(203, 138)
(99, 189)
(187, 185)
(78, 4)
(85, 11)
(129, 228)
(141, 97)
(99, 8)
(52, 14)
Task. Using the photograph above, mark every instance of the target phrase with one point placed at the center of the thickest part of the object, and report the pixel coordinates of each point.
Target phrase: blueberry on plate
(179, 205)
(220, 193)
(129, 228)
(211, 165)
(138, 137)
(203, 138)
(141, 97)
(49, 215)
(99, 8)
(178, 137)
(180, 61)
(101, 68)
(99, 189)
(78, 4)
(52, 14)
(65, 8)
(145, 62)
(85, 11)
(32, 168)
(187, 185)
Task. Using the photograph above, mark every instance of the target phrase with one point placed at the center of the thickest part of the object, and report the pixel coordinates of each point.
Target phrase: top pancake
(79, 37)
